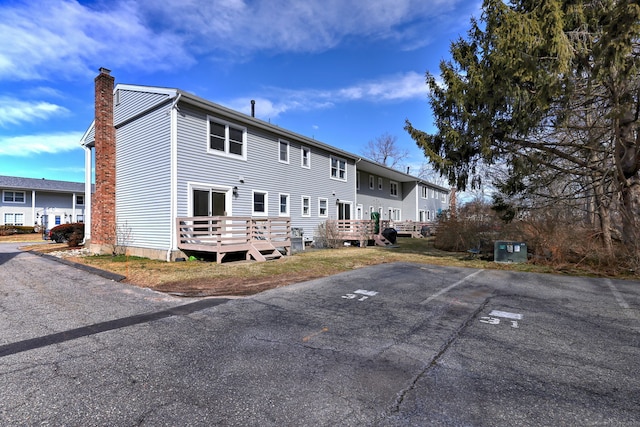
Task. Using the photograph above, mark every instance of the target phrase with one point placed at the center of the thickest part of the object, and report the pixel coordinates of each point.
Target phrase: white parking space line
(627, 310)
(448, 288)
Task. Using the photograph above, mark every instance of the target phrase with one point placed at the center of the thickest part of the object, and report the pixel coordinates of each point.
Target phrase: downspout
(87, 195)
(174, 177)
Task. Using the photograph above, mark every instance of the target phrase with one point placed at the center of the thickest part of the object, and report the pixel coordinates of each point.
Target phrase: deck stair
(380, 240)
(264, 251)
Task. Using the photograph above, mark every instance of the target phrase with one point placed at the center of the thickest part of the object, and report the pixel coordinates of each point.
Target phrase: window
(284, 205)
(259, 203)
(359, 212)
(57, 219)
(372, 182)
(306, 157)
(322, 207)
(13, 219)
(425, 192)
(306, 206)
(338, 168)
(393, 189)
(395, 215)
(358, 180)
(284, 151)
(80, 218)
(226, 139)
(13, 196)
(433, 193)
(79, 199)
(379, 183)
(444, 198)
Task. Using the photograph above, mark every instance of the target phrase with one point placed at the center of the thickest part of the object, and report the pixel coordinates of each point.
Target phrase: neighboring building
(40, 202)
(163, 153)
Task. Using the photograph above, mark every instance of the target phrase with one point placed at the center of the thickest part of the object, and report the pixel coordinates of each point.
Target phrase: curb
(102, 273)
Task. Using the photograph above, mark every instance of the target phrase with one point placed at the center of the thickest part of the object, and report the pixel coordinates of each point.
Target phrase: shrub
(8, 230)
(73, 234)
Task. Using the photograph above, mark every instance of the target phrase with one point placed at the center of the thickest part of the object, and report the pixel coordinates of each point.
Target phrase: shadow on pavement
(60, 337)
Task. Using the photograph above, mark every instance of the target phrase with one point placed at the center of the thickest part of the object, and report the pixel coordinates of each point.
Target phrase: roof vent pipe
(253, 108)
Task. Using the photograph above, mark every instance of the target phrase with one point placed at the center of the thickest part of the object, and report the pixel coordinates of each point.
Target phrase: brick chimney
(103, 210)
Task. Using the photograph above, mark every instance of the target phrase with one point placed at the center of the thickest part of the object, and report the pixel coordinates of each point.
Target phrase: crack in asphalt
(395, 407)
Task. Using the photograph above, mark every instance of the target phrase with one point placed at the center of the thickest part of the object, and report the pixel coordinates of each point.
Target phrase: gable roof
(17, 183)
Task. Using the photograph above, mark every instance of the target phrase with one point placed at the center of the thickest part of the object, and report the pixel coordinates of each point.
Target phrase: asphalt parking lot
(389, 345)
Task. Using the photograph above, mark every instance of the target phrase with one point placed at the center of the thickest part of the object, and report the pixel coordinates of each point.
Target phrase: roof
(17, 183)
(178, 95)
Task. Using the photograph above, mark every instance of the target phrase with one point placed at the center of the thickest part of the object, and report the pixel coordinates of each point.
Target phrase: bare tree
(384, 149)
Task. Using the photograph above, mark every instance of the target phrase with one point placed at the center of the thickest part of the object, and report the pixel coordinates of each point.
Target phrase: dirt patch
(206, 287)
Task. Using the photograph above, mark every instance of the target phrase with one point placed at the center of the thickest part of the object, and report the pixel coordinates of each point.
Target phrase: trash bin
(375, 217)
(297, 245)
(508, 251)
(390, 234)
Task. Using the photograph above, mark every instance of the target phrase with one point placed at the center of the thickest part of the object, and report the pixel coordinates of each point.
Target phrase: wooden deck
(257, 238)
(363, 230)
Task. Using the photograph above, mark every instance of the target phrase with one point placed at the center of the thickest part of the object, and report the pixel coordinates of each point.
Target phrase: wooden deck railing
(364, 229)
(227, 234)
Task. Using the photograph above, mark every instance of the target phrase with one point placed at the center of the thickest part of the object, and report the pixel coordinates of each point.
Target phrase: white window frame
(80, 203)
(359, 212)
(337, 169)
(305, 153)
(326, 207)
(358, 180)
(11, 219)
(306, 199)
(227, 141)
(253, 203)
(380, 184)
(5, 193)
(287, 204)
(372, 182)
(443, 198)
(393, 186)
(396, 214)
(425, 192)
(283, 143)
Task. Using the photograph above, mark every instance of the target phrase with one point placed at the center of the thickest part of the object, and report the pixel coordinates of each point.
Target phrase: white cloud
(48, 143)
(14, 111)
(63, 39)
(394, 88)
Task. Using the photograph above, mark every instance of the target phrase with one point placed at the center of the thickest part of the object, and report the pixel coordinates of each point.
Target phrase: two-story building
(161, 154)
(41, 203)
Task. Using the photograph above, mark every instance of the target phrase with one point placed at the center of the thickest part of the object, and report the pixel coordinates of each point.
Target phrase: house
(41, 203)
(163, 157)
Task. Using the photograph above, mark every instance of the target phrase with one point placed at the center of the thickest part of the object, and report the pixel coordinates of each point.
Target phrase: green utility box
(505, 251)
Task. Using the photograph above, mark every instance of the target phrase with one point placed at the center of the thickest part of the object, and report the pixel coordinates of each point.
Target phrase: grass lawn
(204, 278)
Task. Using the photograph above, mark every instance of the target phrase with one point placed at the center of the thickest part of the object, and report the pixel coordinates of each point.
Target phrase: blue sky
(343, 72)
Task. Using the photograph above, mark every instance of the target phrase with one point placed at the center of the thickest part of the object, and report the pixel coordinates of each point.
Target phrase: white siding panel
(143, 180)
(134, 102)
